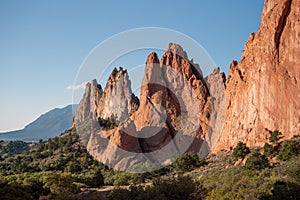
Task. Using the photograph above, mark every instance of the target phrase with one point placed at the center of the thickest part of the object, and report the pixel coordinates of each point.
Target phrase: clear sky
(43, 43)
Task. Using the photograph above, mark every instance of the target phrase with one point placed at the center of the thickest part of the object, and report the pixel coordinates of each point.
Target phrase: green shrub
(54, 164)
(284, 190)
(57, 184)
(91, 179)
(240, 151)
(237, 183)
(15, 191)
(268, 150)
(288, 150)
(256, 161)
(187, 162)
(60, 184)
(275, 136)
(108, 123)
(72, 167)
(122, 178)
(109, 177)
(291, 169)
(173, 188)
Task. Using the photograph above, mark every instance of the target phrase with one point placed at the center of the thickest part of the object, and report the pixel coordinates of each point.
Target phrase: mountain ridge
(47, 125)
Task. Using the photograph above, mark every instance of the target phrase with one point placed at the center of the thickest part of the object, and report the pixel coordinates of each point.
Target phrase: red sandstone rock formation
(263, 89)
(173, 116)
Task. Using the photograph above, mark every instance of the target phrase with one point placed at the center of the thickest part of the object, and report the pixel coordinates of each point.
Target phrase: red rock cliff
(263, 89)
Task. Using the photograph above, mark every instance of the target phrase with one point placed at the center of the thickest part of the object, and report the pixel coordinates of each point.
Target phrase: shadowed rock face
(263, 89)
(173, 116)
(88, 104)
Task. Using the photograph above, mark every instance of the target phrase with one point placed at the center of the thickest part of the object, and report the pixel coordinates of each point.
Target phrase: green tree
(268, 150)
(275, 136)
(97, 178)
(257, 161)
(187, 162)
(60, 184)
(122, 179)
(50, 145)
(288, 150)
(240, 151)
(284, 190)
(73, 167)
(291, 168)
(68, 146)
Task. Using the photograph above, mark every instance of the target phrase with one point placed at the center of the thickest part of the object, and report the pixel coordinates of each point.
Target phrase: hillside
(48, 125)
(61, 168)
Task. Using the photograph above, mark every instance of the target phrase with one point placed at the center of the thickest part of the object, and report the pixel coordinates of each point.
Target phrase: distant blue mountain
(48, 125)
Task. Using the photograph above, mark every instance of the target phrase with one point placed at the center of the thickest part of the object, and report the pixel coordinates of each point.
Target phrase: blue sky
(43, 43)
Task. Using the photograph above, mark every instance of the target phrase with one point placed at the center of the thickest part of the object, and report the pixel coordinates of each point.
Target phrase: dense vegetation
(13, 147)
(58, 167)
(62, 168)
(260, 177)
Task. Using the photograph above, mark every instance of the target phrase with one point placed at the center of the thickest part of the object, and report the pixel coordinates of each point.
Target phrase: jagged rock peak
(177, 49)
(152, 58)
(117, 99)
(89, 102)
(216, 70)
(117, 73)
(176, 58)
(94, 84)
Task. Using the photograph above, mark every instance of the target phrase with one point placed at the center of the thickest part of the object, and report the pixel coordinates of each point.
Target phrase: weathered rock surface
(174, 97)
(173, 116)
(116, 101)
(88, 105)
(216, 84)
(263, 89)
(117, 98)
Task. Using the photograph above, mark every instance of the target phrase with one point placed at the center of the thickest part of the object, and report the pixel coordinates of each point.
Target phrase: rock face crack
(282, 23)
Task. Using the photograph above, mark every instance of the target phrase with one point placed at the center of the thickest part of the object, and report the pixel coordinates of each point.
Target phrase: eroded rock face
(263, 89)
(89, 103)
(116, 101)
(175, 98)
(172, 118)
(216, 84)
(117, 98)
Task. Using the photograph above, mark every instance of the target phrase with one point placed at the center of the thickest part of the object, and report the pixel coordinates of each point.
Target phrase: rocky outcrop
(116, 101)
(173, 116)
(174, 97)
(216, 84)
(263, 89)
(88, 105)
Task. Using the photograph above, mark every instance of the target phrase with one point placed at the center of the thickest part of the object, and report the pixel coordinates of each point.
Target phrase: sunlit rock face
(263, 89)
